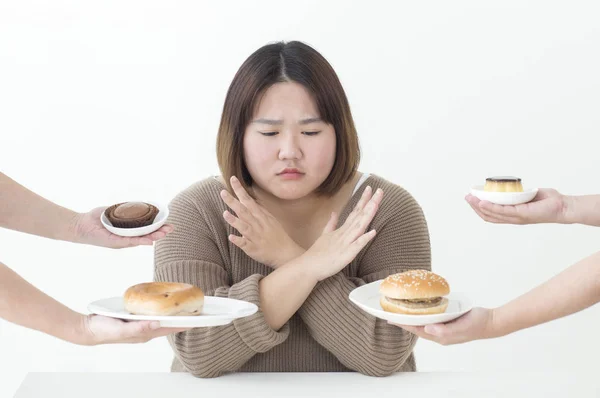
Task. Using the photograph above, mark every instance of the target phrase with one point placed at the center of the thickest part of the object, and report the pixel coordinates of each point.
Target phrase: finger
(239, 241)
(167, 228)
(364, 199)
(139, 241)
(120, 242)
(475, 204)
(483, 216)
(138, 328)
(156, 235)
(167, 331)
(236, 223)
(142, 331)
(240, 210)
(408, 328)
(362, 221)
(418, 331)
(472, 200)
(242, 195)
(511, 214)
(499, 218)
(332, 223)
(362, 241)
(497, 210)
(436, 330)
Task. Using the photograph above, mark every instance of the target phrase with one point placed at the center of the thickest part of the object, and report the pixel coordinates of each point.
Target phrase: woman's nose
(289, 148)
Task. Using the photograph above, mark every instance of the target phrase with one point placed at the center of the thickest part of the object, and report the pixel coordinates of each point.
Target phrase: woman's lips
(291, 175)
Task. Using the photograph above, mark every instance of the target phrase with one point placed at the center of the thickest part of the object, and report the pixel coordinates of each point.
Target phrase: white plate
(217, 311)
(159, 221)
(504, 198)
(367, 298)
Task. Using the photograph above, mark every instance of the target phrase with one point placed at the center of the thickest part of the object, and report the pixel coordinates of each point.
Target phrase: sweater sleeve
(360, 341)
(190, 254)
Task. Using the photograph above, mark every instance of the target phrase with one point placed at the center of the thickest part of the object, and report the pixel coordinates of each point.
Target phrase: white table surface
(265, 385)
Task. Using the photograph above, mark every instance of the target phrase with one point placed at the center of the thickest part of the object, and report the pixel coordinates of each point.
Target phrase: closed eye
(309, 133)
(268, 133)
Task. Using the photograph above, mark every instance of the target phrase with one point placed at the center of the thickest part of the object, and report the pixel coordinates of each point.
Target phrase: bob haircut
(286, 62)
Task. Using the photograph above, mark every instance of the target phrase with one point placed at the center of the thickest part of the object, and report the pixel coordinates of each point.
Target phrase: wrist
(497, 326)
(72, 231)
(76, 330)
(292, 253)
(305, 263)
(568, 213)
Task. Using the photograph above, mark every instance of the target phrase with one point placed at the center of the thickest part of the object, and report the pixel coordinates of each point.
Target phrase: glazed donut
(164, 299)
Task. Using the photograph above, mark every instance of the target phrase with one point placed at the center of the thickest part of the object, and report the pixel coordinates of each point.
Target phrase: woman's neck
(309, 209)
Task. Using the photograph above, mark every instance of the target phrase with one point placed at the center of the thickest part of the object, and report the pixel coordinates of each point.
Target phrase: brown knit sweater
(328, 333)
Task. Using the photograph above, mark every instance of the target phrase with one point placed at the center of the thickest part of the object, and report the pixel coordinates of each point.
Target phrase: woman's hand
(548, 206)
(263, 237)
(474, 325)
(88, 229)
(97, 329)
(336, 248)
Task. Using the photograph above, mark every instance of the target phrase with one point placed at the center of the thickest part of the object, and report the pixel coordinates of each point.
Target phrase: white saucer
(159, 221)
(367, 298)
(217, 311)
(504, 198)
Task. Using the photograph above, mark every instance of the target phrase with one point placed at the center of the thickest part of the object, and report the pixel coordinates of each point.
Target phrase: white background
(118, 100)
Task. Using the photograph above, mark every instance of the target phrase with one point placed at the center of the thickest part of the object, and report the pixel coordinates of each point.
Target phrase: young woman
(294, 227)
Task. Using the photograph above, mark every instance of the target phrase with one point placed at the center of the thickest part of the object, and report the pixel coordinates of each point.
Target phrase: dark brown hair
(286, 62)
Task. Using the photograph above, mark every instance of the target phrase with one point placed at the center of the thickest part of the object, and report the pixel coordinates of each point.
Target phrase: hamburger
(415, 292)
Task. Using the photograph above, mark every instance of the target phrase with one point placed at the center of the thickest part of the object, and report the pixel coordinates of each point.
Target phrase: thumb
(332, 223)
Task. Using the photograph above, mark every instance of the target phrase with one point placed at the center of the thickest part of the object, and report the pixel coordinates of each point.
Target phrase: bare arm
(360, 341)
(549, 206)
(583, 210)
(574, 289)
(571, 291)
(25, 211)
(192, 254)
(23, 304)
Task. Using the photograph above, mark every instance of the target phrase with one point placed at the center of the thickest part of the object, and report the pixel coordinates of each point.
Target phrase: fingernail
(430, 329)
(155, 325)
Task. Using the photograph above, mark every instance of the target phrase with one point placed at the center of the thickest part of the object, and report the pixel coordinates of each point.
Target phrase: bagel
(164, 299)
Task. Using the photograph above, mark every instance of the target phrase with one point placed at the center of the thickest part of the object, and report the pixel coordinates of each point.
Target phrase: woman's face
(288, 150)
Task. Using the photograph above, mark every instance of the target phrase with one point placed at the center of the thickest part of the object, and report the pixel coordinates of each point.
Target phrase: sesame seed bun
(416, 292)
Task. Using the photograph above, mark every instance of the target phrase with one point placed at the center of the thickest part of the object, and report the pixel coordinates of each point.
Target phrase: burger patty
(417, 303)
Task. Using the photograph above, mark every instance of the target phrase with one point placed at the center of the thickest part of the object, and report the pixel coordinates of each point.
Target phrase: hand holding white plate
(367, 298)
(217, 311)
(159, 221)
